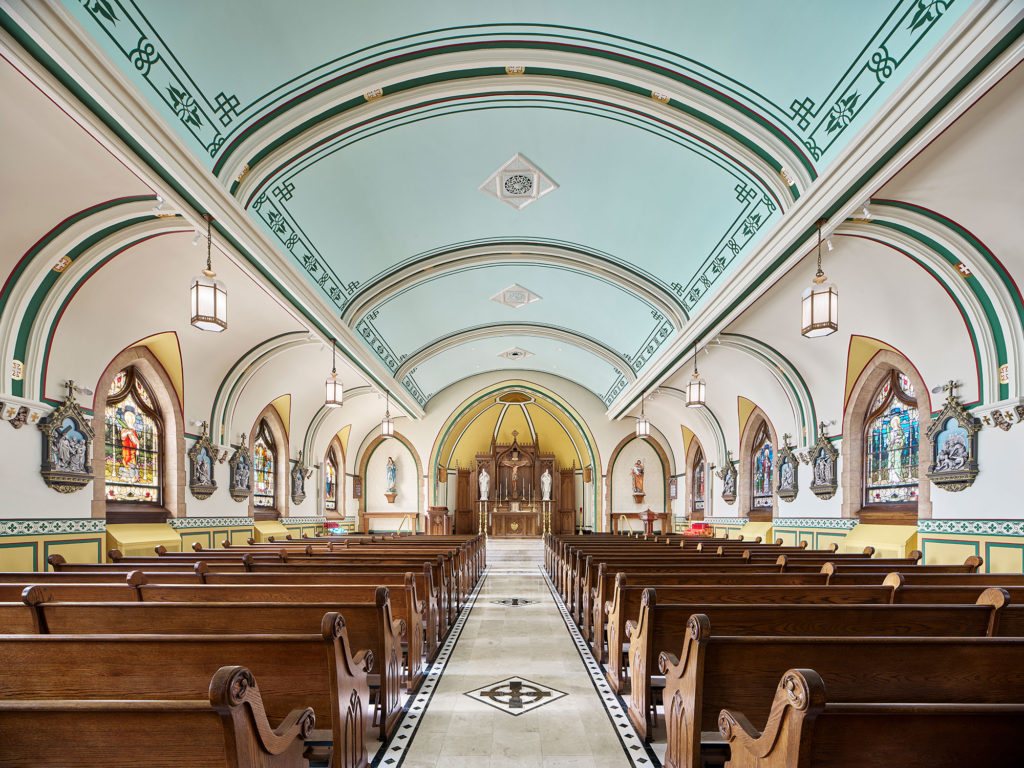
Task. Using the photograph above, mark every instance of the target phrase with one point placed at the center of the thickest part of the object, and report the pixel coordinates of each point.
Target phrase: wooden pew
(318, 669)
(225, 726)
(661, 626)
(807, 729)
(370, 612)
(627, 603)
(716, 672)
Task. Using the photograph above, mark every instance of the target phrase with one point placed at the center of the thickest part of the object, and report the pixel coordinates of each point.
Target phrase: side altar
(515, 489)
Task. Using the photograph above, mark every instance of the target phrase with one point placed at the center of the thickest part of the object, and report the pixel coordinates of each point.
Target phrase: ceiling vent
(515, 296)
(516, 353)
(518, 183)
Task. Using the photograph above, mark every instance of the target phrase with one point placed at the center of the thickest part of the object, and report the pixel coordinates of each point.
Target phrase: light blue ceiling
(670, 208)
(550, 356)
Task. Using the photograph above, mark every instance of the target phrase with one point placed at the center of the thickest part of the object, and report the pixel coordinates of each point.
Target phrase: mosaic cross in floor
(515, 695)
(514, 602)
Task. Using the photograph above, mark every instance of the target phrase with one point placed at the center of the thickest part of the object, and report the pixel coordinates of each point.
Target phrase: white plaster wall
(25, 495)
(622, 479)
(806, 504)
(995, 493)
(407, 481)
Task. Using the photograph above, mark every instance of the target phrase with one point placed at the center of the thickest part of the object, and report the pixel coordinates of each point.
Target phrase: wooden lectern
(438, 521)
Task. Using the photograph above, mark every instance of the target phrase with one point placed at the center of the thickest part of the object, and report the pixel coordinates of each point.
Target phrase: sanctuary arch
(522, 439)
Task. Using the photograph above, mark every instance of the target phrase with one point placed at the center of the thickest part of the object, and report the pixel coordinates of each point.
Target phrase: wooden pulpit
(439, 523)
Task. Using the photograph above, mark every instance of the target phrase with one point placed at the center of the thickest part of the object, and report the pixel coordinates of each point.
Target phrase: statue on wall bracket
(299, 475)
(637, 475)
(823, 459)
(67, 446)
(202, 457)
(240, 466)
(391, 480)
(787, 469)
(954, 437)
(727, 475)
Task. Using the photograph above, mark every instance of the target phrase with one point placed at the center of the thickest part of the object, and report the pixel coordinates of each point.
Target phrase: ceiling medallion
(516, 353)
(518, 183)
(515, 296)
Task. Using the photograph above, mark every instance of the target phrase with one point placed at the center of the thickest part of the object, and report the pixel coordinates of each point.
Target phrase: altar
(516, 520)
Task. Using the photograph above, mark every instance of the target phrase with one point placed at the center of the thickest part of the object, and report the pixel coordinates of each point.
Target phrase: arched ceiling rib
(676, 165)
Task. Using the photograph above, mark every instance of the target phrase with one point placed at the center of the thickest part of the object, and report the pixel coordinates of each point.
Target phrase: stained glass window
(263, 468)
(761, 468)
(330, 482)
(698, 480)
(132, 441)
(891, 443)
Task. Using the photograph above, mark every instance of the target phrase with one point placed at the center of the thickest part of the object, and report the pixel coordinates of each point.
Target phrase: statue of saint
(787, 478)
(638, 477)
(485, 484)
(390, 475)
(545, 485)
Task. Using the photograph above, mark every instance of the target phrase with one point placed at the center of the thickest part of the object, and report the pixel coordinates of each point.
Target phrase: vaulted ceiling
(669, 138)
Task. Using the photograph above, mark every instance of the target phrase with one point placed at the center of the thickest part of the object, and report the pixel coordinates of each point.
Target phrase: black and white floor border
(391, 754)
(639, 753)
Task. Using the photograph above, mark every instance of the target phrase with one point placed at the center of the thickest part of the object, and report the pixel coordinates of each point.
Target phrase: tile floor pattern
(528, 643)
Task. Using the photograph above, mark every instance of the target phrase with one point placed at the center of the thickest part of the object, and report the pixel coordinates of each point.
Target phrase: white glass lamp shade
(696, 392)
(819, 310)
(209, 303)
(387, 426)
(643, 428)
(333, 397)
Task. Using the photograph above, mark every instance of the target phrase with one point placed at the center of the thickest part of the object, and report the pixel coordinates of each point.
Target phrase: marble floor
(513, 689)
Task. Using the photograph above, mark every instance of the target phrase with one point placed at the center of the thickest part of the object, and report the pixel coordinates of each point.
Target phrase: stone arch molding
(175, 471)
(657, 441)
(939, 245)
(117, 228)
(282, 460)
(263, 151)
(854, 422)
(744, 491)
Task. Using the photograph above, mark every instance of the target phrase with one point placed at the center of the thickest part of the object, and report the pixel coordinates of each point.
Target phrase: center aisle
(514, 655)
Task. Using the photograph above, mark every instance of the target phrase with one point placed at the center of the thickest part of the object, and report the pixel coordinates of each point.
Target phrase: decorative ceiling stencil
(516, 353)
(515, 296)
(518, 183)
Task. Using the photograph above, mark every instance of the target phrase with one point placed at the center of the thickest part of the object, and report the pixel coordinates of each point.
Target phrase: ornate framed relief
(299, 475)
(202, 457)
(67, 446)
(727, 475)
(823, 459)
(673, 488)
(954, 437)
(787, 469)
(240, 465)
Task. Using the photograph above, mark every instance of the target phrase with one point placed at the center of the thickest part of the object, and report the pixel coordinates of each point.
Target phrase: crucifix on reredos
(514, 459)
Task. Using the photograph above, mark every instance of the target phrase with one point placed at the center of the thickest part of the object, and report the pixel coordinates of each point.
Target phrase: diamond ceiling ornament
(518, 183)
(516, 353)
(515, 296)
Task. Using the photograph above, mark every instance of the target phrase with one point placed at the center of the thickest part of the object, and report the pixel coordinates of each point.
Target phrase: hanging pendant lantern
(334, 395)
(696, 389)
(643, 426)
(387, 424)
(209, 296)
(820, 303)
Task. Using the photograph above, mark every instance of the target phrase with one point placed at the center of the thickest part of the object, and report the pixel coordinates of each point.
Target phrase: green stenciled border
(851, 191)
(989, 545)
(38, 53)
(47, 543)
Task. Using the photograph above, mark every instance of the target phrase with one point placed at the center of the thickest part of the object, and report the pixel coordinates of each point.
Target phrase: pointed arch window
(133, 442)
(891, 443)
(697, 504)
(761, 468)
(264, 469)
(331, 481)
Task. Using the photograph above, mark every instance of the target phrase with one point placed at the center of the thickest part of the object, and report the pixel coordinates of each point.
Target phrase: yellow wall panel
(788, 537)
(19, 555)
(74, 550)
(948, 552)
(1004, 558)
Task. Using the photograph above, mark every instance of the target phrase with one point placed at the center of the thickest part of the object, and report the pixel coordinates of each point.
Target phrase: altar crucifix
(514, 459)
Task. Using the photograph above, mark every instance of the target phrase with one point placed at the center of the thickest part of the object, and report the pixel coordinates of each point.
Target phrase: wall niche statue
(240, 466)
(299, 476)
(202, 457)
(391, 480)
(786, 469)
(823, 459)
(954, 437)
(727, 475)
(67, 446)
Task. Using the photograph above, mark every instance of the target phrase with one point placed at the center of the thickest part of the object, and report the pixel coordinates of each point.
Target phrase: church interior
(651, 364)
